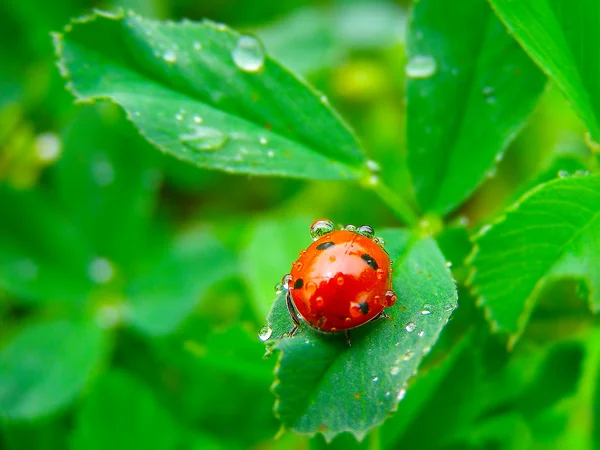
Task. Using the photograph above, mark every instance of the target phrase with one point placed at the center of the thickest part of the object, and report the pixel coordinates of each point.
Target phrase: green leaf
(180, 86)
(469, 90)
(555, 222)
(107, 179)
(122, 413)
(162, 296)
(561, 37)
(263, 269)
(45, 366)
(324, 386)
(44, 257)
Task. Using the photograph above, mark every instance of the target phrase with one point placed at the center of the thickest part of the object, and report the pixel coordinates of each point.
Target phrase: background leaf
(164, 294)
(122, 413)
(469, 90)
(35, 363)
(324, 386)
(512, 259)
(562, 37)
(181, 87)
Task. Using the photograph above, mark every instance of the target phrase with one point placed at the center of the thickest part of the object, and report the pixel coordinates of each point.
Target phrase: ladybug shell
(341, 281)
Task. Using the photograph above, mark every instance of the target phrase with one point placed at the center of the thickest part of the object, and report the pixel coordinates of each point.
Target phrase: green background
(152, 194)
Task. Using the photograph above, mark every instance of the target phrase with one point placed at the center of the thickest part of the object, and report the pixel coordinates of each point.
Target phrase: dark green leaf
(45, 366)
(122, 413)
(180, 86)
(324, 386)
(165, 294)
(470, 89)
(554, 223)
(562, 37)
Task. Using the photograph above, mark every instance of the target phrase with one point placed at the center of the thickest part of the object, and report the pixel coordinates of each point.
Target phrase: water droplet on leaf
(101, 270)
(410, 327)
(204, 139)
(265, 333)
(420, 66)
(248, 54)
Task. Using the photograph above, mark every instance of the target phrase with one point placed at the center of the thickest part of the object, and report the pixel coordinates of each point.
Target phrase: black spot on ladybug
(325, 245)
(299, 283)
(364, 307)
(370, 261)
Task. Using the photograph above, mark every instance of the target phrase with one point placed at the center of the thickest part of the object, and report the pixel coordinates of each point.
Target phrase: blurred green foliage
(133, 284)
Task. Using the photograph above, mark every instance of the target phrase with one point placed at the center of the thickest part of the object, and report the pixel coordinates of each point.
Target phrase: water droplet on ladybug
(350, 228)
(367, 231)
(379, 241)
(265, 333)
(332, 258)
(311, 288)
(298, 265)
(319, 301)
(380, 274)
(340, 280)
(355, 311)
(320, 228)
(390, 298)
(302, 253)
(286, 282)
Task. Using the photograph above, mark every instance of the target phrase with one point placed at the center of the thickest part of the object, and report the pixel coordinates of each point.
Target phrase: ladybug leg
(293, 314)
(347, 335)
(382, 315)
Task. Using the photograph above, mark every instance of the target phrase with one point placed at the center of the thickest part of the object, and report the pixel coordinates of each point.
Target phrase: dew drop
(279, 288)
(375, 379)
(197, 46)
(319, 302)
(47, 147)
(390, 298)
(350, 228)
(311, 288)
(401, 394)
(562, 174)
(270, 153)
(379, 241)
(103, 172)
(408, 355)
(170, 56)
(286, 281)
(420, 66)
(448, 263)
(332, 258)
(248, 54)
(265, 333)
(355, 310)
(320, 228)
(426, 350)
(204, 139)
(410, 327)
(100, 270)
(426, 310)
(395, 370)
(197, 119)
(380, 274)
(367, 231)
(263, 140)
(449, 307)
(340, 280)
(421, 333)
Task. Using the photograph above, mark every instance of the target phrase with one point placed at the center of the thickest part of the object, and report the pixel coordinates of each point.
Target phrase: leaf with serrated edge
(562, 36)
(472, 93)
(324, 386)
(513, 257)
(180, 86)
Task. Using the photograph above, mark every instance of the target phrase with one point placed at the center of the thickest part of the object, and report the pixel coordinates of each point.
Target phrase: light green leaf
(45, 366)
(122, 413)
(162, 296)
(469, 90)
(207, 95)
(324, 386)
(556, 222)
(262, 268)
(562, 37)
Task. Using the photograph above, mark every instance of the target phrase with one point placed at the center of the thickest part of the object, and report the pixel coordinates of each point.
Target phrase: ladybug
(341, 281)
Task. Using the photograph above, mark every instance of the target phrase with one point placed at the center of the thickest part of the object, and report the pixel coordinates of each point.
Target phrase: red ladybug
(341, 281)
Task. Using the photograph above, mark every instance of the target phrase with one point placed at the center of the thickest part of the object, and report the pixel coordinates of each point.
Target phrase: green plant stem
(402, 209)
(373, 441)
